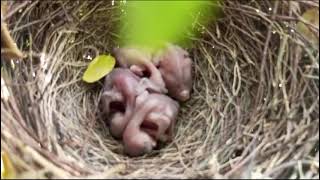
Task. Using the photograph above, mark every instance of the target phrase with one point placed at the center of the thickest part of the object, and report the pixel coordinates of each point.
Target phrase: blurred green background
(152, 23)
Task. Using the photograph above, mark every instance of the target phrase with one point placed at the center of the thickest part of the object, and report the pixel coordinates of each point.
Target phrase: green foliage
(310, 16)
(7, 169)
(98, 68)
(153, 23)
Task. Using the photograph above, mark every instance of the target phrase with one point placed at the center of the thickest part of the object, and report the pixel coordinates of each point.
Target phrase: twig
(264, 55)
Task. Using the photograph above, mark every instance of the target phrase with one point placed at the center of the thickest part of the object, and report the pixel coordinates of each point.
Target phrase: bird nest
(253, 112)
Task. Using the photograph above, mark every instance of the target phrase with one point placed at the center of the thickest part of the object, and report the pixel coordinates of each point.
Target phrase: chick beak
(184, 95)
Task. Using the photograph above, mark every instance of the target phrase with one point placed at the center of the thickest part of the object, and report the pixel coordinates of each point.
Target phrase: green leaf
(7, 169)
(311, 16)
(98, 68)
(153, 23)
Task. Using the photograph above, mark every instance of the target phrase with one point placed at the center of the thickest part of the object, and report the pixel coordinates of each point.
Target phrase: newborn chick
(139, 61)
(160, 122)
(175, 67)
(156, 109)
(121, 87)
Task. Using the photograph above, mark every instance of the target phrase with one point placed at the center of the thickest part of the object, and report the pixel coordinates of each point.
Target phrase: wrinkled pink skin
(174, 75)
(157, 109)
(123, 86)
(175, 67)
(139, 61)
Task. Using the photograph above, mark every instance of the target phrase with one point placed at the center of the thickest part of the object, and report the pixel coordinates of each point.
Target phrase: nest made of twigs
(254, 110)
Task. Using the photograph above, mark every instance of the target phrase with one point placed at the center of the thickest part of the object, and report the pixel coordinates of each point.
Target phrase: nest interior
(254, 110)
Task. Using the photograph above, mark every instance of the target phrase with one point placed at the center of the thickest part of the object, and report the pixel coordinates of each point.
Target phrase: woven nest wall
(254, 110)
